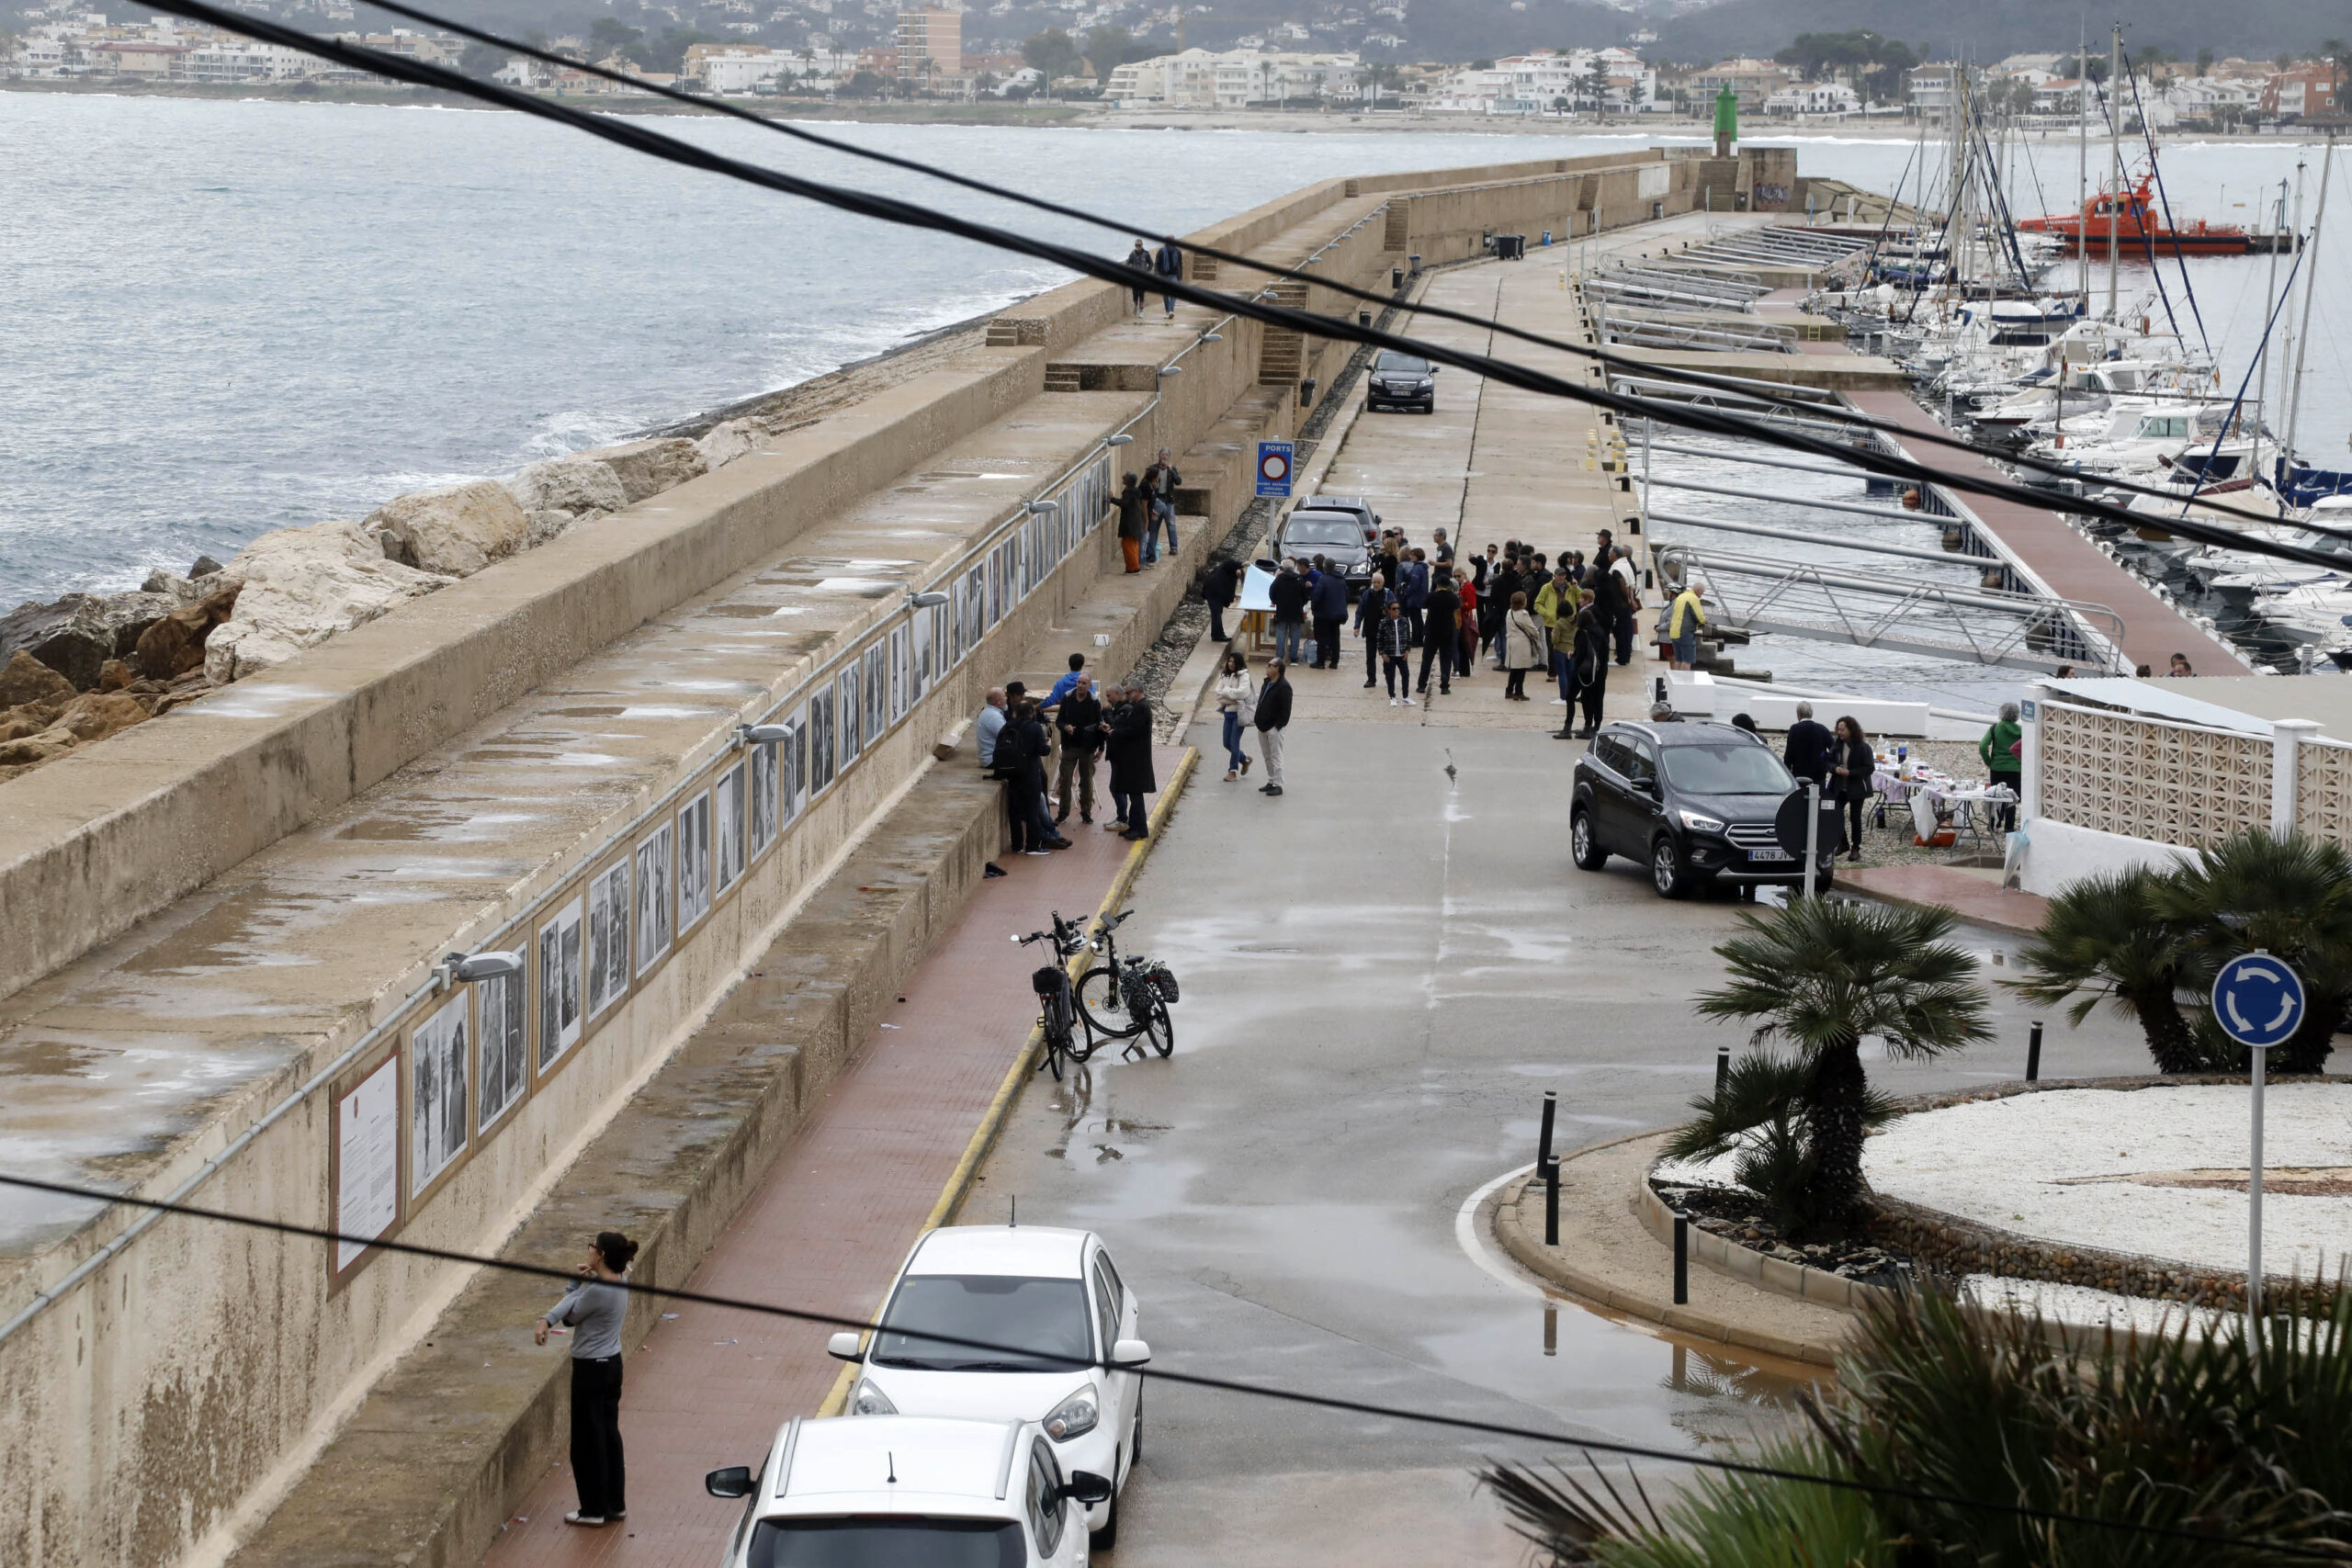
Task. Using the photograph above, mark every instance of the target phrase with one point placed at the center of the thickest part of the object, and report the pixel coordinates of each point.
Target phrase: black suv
(1334, 535)
(1400, 381)
(1693, 802)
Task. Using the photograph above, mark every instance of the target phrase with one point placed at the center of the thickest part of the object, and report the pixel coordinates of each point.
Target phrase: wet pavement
(1381, 974)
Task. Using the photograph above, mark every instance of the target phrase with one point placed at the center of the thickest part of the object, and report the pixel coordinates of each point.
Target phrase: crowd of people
(1428, 612)
(1076, 729)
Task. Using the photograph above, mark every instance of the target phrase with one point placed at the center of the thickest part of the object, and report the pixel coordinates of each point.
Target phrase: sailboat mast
(2287, 315)
(2083, 163)
(2262, 356)
(2303, 340)
(2115, 161)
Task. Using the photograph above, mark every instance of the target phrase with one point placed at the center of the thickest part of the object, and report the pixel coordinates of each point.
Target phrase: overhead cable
(621, 132)
(569, 1278)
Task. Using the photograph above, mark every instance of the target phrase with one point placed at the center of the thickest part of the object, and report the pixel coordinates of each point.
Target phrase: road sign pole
(2254, 1216)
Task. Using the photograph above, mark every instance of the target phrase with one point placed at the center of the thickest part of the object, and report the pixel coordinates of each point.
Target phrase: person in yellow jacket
(1557, 603)
(1682, 626)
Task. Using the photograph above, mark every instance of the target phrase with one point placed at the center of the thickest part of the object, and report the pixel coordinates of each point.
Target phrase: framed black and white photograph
(608, 936)
(920, 634)
(436, 1094)
(560, 953)
(796, 763)
(849, 715)
(902, 673)
(877, 690)
(821, 739)
(943, 644)
(657, 868)
(999, 583)
(764, 797)
(727, 830)
(693, 861)
(976, 608)
(506, 1044)
(959, 622)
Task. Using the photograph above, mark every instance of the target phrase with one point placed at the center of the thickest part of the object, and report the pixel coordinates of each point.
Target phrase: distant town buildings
(930, 45)
(1550, 81)
(1236, 78)
(1752, 82)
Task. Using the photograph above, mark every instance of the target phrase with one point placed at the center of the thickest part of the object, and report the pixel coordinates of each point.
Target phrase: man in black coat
(1218, 586)
(1169, 262)
(1079, 717)
(1371, 607)
(1807, 752)
(1438, 634)
(1127, 724)
(1328, 599)
(1021, 756)
(1274, 717)
(1288, 594)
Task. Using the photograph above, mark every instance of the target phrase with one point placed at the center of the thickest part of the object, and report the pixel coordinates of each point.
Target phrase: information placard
(368, 1160)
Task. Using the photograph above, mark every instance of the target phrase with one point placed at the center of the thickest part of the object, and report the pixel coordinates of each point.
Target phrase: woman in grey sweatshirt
(594, 1309)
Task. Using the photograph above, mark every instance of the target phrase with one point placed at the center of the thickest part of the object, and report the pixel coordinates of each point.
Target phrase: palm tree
(1759, 1114)
(2103, 941)
(2286, 894)
(1819, 976)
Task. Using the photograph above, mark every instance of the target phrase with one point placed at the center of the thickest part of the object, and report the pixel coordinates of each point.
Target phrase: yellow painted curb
(984, 1136)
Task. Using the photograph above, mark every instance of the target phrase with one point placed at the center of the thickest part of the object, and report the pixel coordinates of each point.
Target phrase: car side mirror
(1085, 1486)
(735, 1481)
(1129, 1353)
(844, 1347)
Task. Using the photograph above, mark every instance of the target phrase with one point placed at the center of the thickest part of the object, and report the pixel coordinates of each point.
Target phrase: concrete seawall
(220, 926)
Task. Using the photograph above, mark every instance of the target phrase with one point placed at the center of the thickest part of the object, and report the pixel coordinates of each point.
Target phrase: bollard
(1681, 1260)
(1364, 318)
(1395, 277)
(1543, 1138)
(1723, 1069)
(1551, 1201)
(1551, 1329)
(2033, 1053)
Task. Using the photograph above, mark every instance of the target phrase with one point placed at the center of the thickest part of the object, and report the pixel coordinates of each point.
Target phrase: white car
(909, 1490)
(1067, 1323)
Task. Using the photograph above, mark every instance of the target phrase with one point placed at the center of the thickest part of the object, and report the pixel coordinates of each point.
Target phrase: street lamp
(462, 968)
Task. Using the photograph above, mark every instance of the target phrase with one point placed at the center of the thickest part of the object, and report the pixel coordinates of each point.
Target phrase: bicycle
(1058, 1012)
(1128, 998)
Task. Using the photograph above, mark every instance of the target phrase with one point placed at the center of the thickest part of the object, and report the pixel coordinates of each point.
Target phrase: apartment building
(930, 45)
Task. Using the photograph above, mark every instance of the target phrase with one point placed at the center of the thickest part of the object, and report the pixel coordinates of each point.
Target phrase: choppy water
(223, 318)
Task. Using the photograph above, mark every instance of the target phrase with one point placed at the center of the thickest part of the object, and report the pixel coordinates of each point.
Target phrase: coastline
(1077, 116)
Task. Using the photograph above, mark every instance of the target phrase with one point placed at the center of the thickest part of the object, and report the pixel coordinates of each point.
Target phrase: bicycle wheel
(1160, 1030)
(1076, 1049)
(1054, 1024)
(1103, 1001)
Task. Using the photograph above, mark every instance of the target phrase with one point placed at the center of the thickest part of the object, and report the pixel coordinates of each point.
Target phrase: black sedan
(1335, 535)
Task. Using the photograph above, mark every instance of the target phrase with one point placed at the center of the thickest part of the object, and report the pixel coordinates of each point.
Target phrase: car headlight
(1699, 822)
(870, 1401)
(1074, 1417)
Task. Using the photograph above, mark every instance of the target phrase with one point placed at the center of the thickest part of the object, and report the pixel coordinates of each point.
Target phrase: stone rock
(729, 440)
(93, 715)
(30, 719)
(27, 680)
(301, 586)
(161, 582)
(545, 525)
(114, 675)
(650, 467)
(174, 645)
(205, 567)
(577, 484)
(456, 530)
(34, 749)
(79, 632)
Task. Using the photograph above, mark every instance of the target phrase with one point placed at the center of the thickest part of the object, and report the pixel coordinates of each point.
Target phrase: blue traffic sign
(1274, 468)
(2257, 1000)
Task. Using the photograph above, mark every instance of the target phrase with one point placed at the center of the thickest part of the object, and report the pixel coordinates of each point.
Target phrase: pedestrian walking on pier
(1328, 600)
(595, 1310)
(1218, 586)
(1288, 594)
(1441, 638)
(1128, 749)
(1168, 262)
(1522, 647)
(1237, 703)
(1394, 636)
(1372, 606)
(1138, 260)
(1851, 764)
(1078, 718)
(1159, 482)
(1274, 717)
(1134, 510)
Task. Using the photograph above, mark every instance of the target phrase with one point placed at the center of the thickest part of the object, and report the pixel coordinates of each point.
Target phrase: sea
(219, 318)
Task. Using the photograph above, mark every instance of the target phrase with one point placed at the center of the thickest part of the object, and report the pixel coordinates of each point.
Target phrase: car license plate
(1769, 854)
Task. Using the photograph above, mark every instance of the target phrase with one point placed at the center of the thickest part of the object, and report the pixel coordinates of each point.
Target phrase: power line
(1597, 352)
(912, 215)
(1191, 1379)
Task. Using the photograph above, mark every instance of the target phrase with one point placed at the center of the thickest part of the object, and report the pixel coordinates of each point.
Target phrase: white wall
(2059, 854)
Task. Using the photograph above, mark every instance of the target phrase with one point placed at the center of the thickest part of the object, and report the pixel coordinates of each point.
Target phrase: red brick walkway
(825, 1231)
(1975, 895)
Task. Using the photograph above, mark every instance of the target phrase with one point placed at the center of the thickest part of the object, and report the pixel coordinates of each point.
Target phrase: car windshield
(1394, 364)
(883, 1542)
(1726, 770)
(1323, 528)
(1041, 1325)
